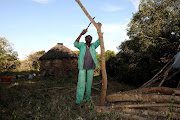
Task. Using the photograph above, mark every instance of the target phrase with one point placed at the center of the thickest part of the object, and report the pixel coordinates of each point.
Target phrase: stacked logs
(150, 101)
(147, 103)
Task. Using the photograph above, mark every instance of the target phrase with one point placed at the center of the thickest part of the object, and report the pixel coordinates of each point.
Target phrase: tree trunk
(103, 66)
(160, 90)
(165, 75)
(145, 105)
(143, 98)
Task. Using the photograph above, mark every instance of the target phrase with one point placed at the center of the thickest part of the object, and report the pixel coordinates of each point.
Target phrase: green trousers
(84, 83)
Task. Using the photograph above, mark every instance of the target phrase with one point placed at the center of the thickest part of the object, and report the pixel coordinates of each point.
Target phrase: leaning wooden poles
(103, 66)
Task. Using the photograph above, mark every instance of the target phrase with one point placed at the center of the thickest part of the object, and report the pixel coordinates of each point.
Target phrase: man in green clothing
(87, 62)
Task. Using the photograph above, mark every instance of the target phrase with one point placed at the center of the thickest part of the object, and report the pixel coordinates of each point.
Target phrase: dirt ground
(49, 98)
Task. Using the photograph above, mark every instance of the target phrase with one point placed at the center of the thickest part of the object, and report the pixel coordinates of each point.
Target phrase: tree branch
(103, 67)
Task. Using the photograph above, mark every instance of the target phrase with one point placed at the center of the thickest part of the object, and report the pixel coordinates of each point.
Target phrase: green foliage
(154, 34)
(49, 99)
(34, 59)
(8, 57)
(77, 52)
(109, 54)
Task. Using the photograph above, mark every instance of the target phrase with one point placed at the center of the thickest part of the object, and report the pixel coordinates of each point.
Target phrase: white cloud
(135, 3)
(42, 1)
(114, 35)
(108, 28)
(111, 8)
(113, 28)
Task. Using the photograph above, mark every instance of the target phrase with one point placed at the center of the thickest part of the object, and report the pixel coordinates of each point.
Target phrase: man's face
(88, 39)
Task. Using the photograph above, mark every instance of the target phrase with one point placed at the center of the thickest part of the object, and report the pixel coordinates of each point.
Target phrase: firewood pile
(146, 103)
(150, 101)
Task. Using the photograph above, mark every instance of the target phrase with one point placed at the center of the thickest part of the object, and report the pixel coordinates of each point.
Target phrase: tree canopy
(8, 57)
(154, 34)
(33, 59)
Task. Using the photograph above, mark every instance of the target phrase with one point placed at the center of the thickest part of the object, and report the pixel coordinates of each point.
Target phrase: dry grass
(48, 99)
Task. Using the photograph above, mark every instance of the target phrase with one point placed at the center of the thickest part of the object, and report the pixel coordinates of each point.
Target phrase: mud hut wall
(65, 66)
(45, 67)
(59, 67)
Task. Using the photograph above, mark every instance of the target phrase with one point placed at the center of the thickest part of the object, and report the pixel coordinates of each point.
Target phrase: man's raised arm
(82, 33)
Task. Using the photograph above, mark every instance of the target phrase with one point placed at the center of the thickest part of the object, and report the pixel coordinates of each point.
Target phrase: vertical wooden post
(103, 65)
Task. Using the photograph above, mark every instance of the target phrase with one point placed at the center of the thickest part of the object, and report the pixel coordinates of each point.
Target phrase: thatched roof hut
(58, 61)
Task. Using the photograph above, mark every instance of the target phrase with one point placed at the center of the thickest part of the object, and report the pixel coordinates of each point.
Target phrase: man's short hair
(87, 36)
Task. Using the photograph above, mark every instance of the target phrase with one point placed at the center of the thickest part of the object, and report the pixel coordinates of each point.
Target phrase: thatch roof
(58, 52)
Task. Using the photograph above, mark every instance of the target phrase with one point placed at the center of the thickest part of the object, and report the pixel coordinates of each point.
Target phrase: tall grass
(46, 99)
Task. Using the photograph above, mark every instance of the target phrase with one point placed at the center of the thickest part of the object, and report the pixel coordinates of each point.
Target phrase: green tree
(154, 34)
(8, 57)
(33, 59)
(109, 54)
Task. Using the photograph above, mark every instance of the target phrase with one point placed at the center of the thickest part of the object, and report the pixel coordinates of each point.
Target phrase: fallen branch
(165, 75)
(59, 88)
(178, 86)
(97, 83)
(163, 90)
(142, 98)
(95, 88)
(103, 64)
(153, 79)
(150, 82)
(145, 105)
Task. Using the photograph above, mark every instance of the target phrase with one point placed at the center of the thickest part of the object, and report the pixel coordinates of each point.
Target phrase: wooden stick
(178, 84)
(165, 75)
(164, 90)
(152, 79)
(87, 14)
(145, 105)
(103, 65)
(143, 98)
(97, 83)
(95, 88)
(59, 88)
(150, 82)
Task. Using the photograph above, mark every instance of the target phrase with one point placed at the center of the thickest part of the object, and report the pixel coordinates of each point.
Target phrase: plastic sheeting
(176, 63)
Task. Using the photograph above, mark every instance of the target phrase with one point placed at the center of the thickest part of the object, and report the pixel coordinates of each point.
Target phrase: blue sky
(34, 25)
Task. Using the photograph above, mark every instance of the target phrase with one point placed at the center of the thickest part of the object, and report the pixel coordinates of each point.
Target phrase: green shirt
(82, 48)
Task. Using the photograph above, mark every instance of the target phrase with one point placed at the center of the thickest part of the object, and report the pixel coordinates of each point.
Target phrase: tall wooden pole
(103, 65)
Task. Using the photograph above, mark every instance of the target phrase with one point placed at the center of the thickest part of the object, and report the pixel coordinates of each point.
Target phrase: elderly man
(87, 62)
